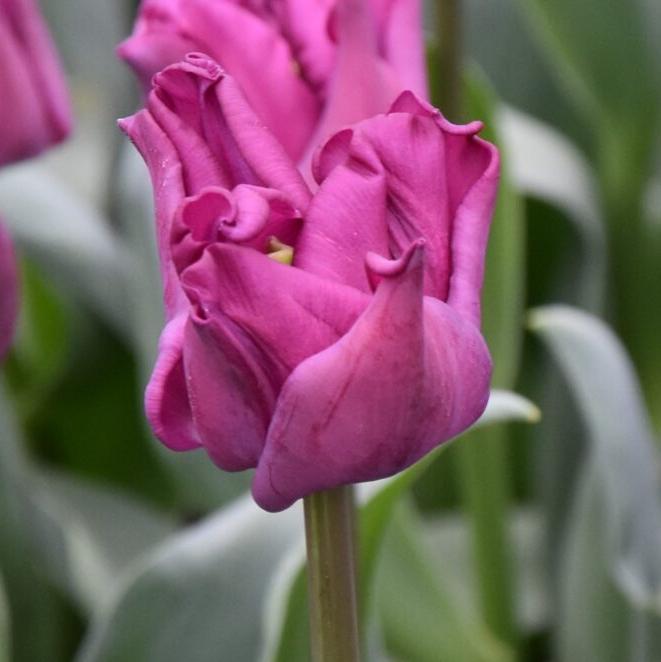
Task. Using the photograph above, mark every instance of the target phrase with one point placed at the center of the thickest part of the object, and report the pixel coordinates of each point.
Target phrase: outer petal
(305, 24)
(8, 291)
(265, 70)
(361, 84)
(165, 168)
(166, 399)
(198, 131)
(403, 43)
(254, 321)
(402, 380)
(472, 189)
(426, 168)
(35, 110)
(158, 39)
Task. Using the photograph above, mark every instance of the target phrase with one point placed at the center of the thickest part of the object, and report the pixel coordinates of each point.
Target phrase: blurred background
(527, 540)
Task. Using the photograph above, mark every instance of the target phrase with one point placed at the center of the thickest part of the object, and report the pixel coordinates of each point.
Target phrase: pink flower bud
(366, 353)
(35, 111)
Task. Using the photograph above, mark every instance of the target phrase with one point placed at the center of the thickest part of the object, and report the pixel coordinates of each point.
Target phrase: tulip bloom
(365, 353)
(8, 291)
(34, 111)
(307, 67)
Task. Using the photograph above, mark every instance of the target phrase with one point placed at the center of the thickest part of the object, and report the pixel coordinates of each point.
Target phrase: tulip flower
(35, 111)
(307, 67)
(8, 291)
(364, 353)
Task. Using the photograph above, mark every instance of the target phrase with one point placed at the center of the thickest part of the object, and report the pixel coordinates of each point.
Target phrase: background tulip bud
(311, 68)
(35, 111)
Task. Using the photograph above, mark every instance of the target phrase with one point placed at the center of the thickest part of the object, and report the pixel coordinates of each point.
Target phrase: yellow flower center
(280, 252)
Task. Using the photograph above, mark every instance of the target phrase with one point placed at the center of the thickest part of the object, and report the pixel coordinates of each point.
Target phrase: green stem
(482, 455)
(330, 532)
(449, 43)
(484, 483)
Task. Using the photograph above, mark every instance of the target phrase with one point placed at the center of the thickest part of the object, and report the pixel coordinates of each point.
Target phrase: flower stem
(330, 533)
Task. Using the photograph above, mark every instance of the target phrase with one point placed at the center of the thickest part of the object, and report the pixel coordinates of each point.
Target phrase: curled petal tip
(125, 124)
(409, 102)
(206, 64)
(412, 257)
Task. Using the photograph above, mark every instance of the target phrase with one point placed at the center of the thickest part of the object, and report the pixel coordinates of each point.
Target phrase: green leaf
(198, 597)
(425, 615)
(5, 626)
(67, 238)
(84, 536)
(545, 165)
(286, 616)
(611, 573)
(33, 606)
(602, 55)
(38, 352)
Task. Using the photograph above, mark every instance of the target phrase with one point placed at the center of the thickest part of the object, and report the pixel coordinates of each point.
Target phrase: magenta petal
(259, 147)
(403, 42)
(165, 169)
(248, 215)
(361, 84)
(401, 381)
(8, 290)
(168, 29)
(230, 394)
(395, 177)
(150, 51)
(166, 398)
(305, 22)
(286, 313)
(255, 320)
(35, 109)
(265, 70)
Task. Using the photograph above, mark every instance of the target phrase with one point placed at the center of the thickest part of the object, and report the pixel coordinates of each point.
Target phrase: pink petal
(8, 291)
(166, 399)
(35, 112)
(403, 44)
(304, 22)
(254, 321)
(248, 215)
(405, 378)
(165, 169)
(157, 41)
(405, 175)
(361, 85)
(265, 70)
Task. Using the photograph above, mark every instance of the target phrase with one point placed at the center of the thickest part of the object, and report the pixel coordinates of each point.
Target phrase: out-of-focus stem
(482, 461)
(484, 483)
(330, 532)
(449, 43)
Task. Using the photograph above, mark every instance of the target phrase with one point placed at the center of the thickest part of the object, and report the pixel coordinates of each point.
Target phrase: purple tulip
(35, 111)
(8, 291)
(307, 67)
(363, 355)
